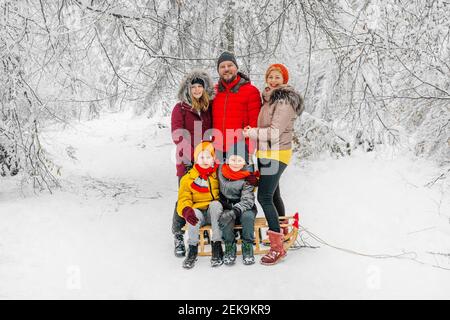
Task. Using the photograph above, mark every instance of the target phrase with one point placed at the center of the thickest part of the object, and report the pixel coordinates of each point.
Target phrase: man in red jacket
(236, 105)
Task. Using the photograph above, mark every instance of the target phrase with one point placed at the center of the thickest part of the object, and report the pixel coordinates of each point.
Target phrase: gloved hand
(224, 202)
(189, 216)
(226, 217)
(253, 179)
(187, 167)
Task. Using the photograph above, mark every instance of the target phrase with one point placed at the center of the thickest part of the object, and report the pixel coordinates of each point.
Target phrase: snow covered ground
(106, 233)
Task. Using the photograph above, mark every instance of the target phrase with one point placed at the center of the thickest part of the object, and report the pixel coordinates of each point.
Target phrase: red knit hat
(281, 68)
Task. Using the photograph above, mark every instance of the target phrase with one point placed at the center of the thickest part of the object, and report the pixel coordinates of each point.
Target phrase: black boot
(180, 249)
(247, 253)
(191, 258)
(217, 254)
(230, 253)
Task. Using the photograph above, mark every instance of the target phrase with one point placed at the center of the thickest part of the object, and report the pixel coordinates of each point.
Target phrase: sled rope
(376, 256)
(412, 256)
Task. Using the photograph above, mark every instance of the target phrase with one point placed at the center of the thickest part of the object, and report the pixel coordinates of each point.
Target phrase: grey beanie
(239, 149)
(226, 56)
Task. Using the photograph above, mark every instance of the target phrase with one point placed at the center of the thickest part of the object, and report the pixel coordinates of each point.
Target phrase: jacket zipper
(223, 121)
(199, 117)
(210, 190)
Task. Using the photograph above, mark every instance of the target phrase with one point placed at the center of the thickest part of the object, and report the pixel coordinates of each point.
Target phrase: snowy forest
(373, 71)
(375, 80)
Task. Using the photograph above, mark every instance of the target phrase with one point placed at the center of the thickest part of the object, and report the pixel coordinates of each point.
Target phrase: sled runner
(260, 224)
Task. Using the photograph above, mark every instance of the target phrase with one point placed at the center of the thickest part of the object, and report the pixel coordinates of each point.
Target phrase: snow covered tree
(372, 72)
(21, 108)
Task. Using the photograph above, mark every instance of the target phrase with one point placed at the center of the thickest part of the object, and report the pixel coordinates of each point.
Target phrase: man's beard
(230, 80)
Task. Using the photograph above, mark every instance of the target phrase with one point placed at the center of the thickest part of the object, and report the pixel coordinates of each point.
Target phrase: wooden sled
(260, 224)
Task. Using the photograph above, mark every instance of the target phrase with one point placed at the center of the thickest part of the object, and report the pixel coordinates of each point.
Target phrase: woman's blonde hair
(201, 104)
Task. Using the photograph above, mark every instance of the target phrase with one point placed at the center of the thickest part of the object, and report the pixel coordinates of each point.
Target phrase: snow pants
(209, 216)
(247, 220)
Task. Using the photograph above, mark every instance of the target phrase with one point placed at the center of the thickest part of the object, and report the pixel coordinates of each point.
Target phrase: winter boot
(191, 258)
(180, 249)
(230, 253)
(284, 230)
(247, 253)
(276, 252)
(217, 254)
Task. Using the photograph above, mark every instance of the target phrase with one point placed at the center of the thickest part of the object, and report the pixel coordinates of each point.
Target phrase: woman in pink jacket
(282, 104)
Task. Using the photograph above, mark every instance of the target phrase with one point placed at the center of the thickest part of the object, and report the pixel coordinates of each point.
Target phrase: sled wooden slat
(257, 239)
(260, 223)
(202, 241)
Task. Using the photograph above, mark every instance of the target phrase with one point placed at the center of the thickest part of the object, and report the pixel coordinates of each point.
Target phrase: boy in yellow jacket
(198, 204)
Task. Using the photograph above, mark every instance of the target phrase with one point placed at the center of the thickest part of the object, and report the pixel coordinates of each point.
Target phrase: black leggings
(269, 196)
(177, 221)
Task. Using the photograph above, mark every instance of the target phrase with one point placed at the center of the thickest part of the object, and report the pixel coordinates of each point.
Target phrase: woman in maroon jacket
(191, 123)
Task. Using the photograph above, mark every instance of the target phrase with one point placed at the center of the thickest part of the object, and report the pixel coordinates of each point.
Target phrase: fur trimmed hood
(184, 90)
(290, 95)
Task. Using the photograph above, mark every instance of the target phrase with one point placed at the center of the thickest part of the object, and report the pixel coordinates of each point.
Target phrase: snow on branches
(20, 147)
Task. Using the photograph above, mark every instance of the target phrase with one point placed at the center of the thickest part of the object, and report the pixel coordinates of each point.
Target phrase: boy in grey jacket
(238, 200)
